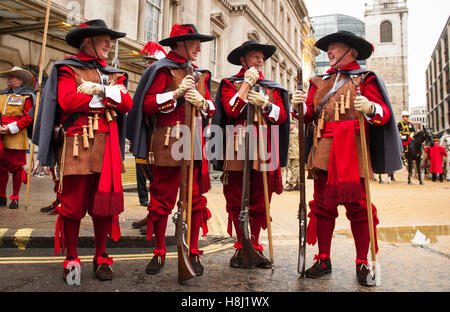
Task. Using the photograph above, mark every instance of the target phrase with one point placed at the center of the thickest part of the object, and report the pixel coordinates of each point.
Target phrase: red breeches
(163, 195)
(257, 211)
(12, 162)
(323, 215)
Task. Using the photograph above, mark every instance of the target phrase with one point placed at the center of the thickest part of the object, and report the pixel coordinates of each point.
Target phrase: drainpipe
(403, 62)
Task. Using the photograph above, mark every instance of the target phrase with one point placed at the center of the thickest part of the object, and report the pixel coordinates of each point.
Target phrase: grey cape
(136, 129)
(384, 143)
(220, 119)
(48, 113)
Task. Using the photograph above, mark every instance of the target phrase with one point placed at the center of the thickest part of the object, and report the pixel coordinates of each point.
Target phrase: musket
(185, 269)
(302, 206)
(250, 257)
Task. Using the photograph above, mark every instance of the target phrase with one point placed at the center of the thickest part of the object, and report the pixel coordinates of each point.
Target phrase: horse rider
(406, 129)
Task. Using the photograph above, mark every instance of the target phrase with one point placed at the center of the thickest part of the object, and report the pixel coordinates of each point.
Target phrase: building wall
(283, 23)
(390, 59)
(437, 78)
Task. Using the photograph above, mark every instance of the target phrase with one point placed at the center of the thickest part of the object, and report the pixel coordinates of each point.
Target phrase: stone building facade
(418, 116)
(387, 29)
(283, 23)
(438, 84)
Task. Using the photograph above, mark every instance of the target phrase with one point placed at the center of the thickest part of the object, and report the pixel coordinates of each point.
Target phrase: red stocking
(159, 227)
(71, 233)
(325, 228)
(102, 228)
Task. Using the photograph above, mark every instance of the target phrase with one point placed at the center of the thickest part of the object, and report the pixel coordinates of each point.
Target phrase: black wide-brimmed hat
(364, 47)
(251, 45)
(183, 32)
(89, 29)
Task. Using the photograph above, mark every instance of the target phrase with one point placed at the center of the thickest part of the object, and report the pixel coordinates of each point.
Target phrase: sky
(426, 21)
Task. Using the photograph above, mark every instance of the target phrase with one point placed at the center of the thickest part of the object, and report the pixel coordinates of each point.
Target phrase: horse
(413, 152)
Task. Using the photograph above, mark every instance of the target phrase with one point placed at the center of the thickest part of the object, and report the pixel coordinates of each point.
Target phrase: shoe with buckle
(66, 270)
(155, 265)
(14, 204)
(140, 223)
(102, 268)
(266, 263)
(236, 260)
(196, 263)
(321, 267)
(364, 275)
(289, 188)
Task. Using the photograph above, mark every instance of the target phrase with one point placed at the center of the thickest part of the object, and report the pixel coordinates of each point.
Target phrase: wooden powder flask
(90, 128)
(113, 114)
(95, 125)
(177, 131)
(342, 105)
(85, 137)
(75, 145)
(108, 115)
(336, 111)
(347, 99)
(167, 136)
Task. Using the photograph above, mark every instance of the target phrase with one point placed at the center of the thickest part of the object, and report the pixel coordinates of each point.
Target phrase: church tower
(387, 29)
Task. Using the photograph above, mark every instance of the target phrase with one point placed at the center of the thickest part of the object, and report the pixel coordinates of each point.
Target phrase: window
(386, 31)
(153, 16)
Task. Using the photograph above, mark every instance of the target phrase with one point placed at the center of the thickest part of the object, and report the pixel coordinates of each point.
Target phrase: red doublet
(166, 180)
(12, 160)
(233, 106)
(435, 155)
(78, 194)
(323, 213)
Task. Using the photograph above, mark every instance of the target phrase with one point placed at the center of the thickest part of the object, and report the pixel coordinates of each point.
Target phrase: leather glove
(90, 88)
(251, 76)
(298, 98)
(363, 105)
(257, 99)
(186, 84)
(195, 98)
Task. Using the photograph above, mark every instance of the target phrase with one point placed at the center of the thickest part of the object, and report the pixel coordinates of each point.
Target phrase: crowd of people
(86, 112)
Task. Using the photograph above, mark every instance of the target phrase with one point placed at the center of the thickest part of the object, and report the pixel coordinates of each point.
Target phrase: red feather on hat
(151, 47)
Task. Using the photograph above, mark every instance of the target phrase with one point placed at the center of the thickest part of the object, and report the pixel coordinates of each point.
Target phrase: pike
(185, 269)
(302, 206)
(41, 71)
(250, 257)
(365, 159)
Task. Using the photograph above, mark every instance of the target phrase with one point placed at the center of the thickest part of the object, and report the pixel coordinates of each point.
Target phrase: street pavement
(412, 258)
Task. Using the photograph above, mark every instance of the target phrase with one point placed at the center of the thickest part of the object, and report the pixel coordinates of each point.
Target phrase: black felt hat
(364, 47)
(251, 45)
(183, 32)
(89, 29)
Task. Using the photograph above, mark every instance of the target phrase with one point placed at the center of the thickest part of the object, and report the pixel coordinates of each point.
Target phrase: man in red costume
(159, 102)
(15, 103)
(233, 96)
(436, 154)
(333, 106)
(89, 101)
